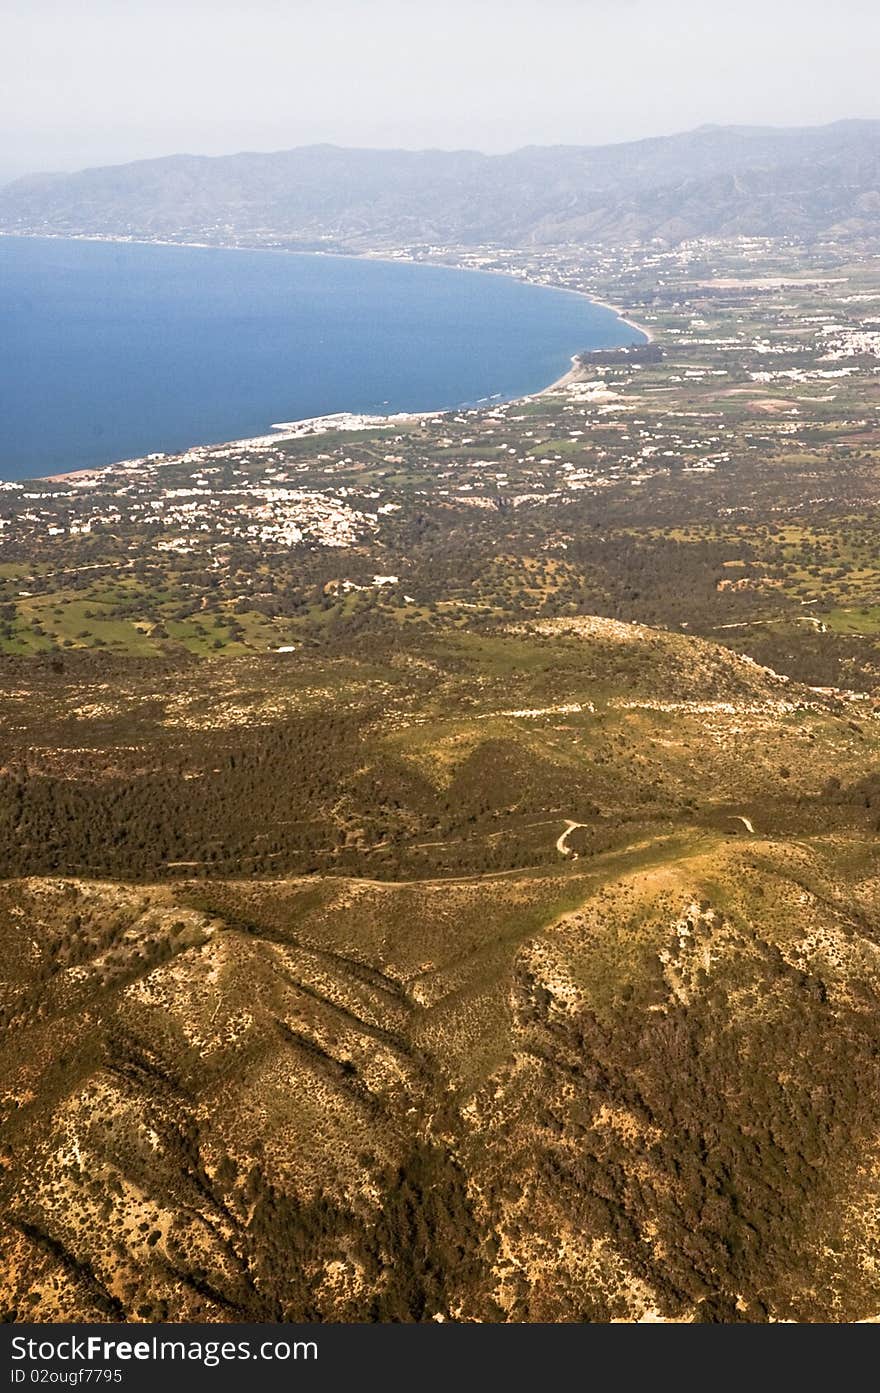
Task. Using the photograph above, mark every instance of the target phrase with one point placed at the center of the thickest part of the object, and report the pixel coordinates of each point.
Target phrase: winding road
(561, 846)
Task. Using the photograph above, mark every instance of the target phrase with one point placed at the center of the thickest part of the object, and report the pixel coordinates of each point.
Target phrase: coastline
(567, 379)
(318, 425)
(315, 426)
(631, 323)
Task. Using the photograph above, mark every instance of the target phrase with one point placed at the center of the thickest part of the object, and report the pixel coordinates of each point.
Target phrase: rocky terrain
(647, 1090)
(632, 1076)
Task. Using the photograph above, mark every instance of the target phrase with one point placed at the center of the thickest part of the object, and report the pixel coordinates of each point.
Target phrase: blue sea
(111, 351)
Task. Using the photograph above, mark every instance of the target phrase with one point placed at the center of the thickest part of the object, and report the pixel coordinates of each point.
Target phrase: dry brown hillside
(646, 1089)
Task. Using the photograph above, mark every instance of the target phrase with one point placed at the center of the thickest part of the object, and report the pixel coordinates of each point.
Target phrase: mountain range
(807, 183)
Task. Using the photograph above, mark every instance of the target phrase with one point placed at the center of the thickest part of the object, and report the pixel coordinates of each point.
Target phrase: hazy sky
(99, 81)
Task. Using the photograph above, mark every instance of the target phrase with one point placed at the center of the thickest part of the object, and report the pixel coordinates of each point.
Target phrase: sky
(88, 82)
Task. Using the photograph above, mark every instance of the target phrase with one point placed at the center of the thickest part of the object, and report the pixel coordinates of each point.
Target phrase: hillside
(635, 1074)
(714, 181)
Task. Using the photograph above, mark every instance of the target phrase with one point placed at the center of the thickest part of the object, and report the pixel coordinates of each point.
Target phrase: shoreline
(288, 430)
(567, 379)
(631, 323)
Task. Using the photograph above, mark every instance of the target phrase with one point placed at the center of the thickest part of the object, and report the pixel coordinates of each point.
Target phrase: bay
(111, 351)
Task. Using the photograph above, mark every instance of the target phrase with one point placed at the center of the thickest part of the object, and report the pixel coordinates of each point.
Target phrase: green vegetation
(505, 947)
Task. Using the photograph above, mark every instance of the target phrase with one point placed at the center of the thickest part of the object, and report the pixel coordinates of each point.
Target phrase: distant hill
(714, 181)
